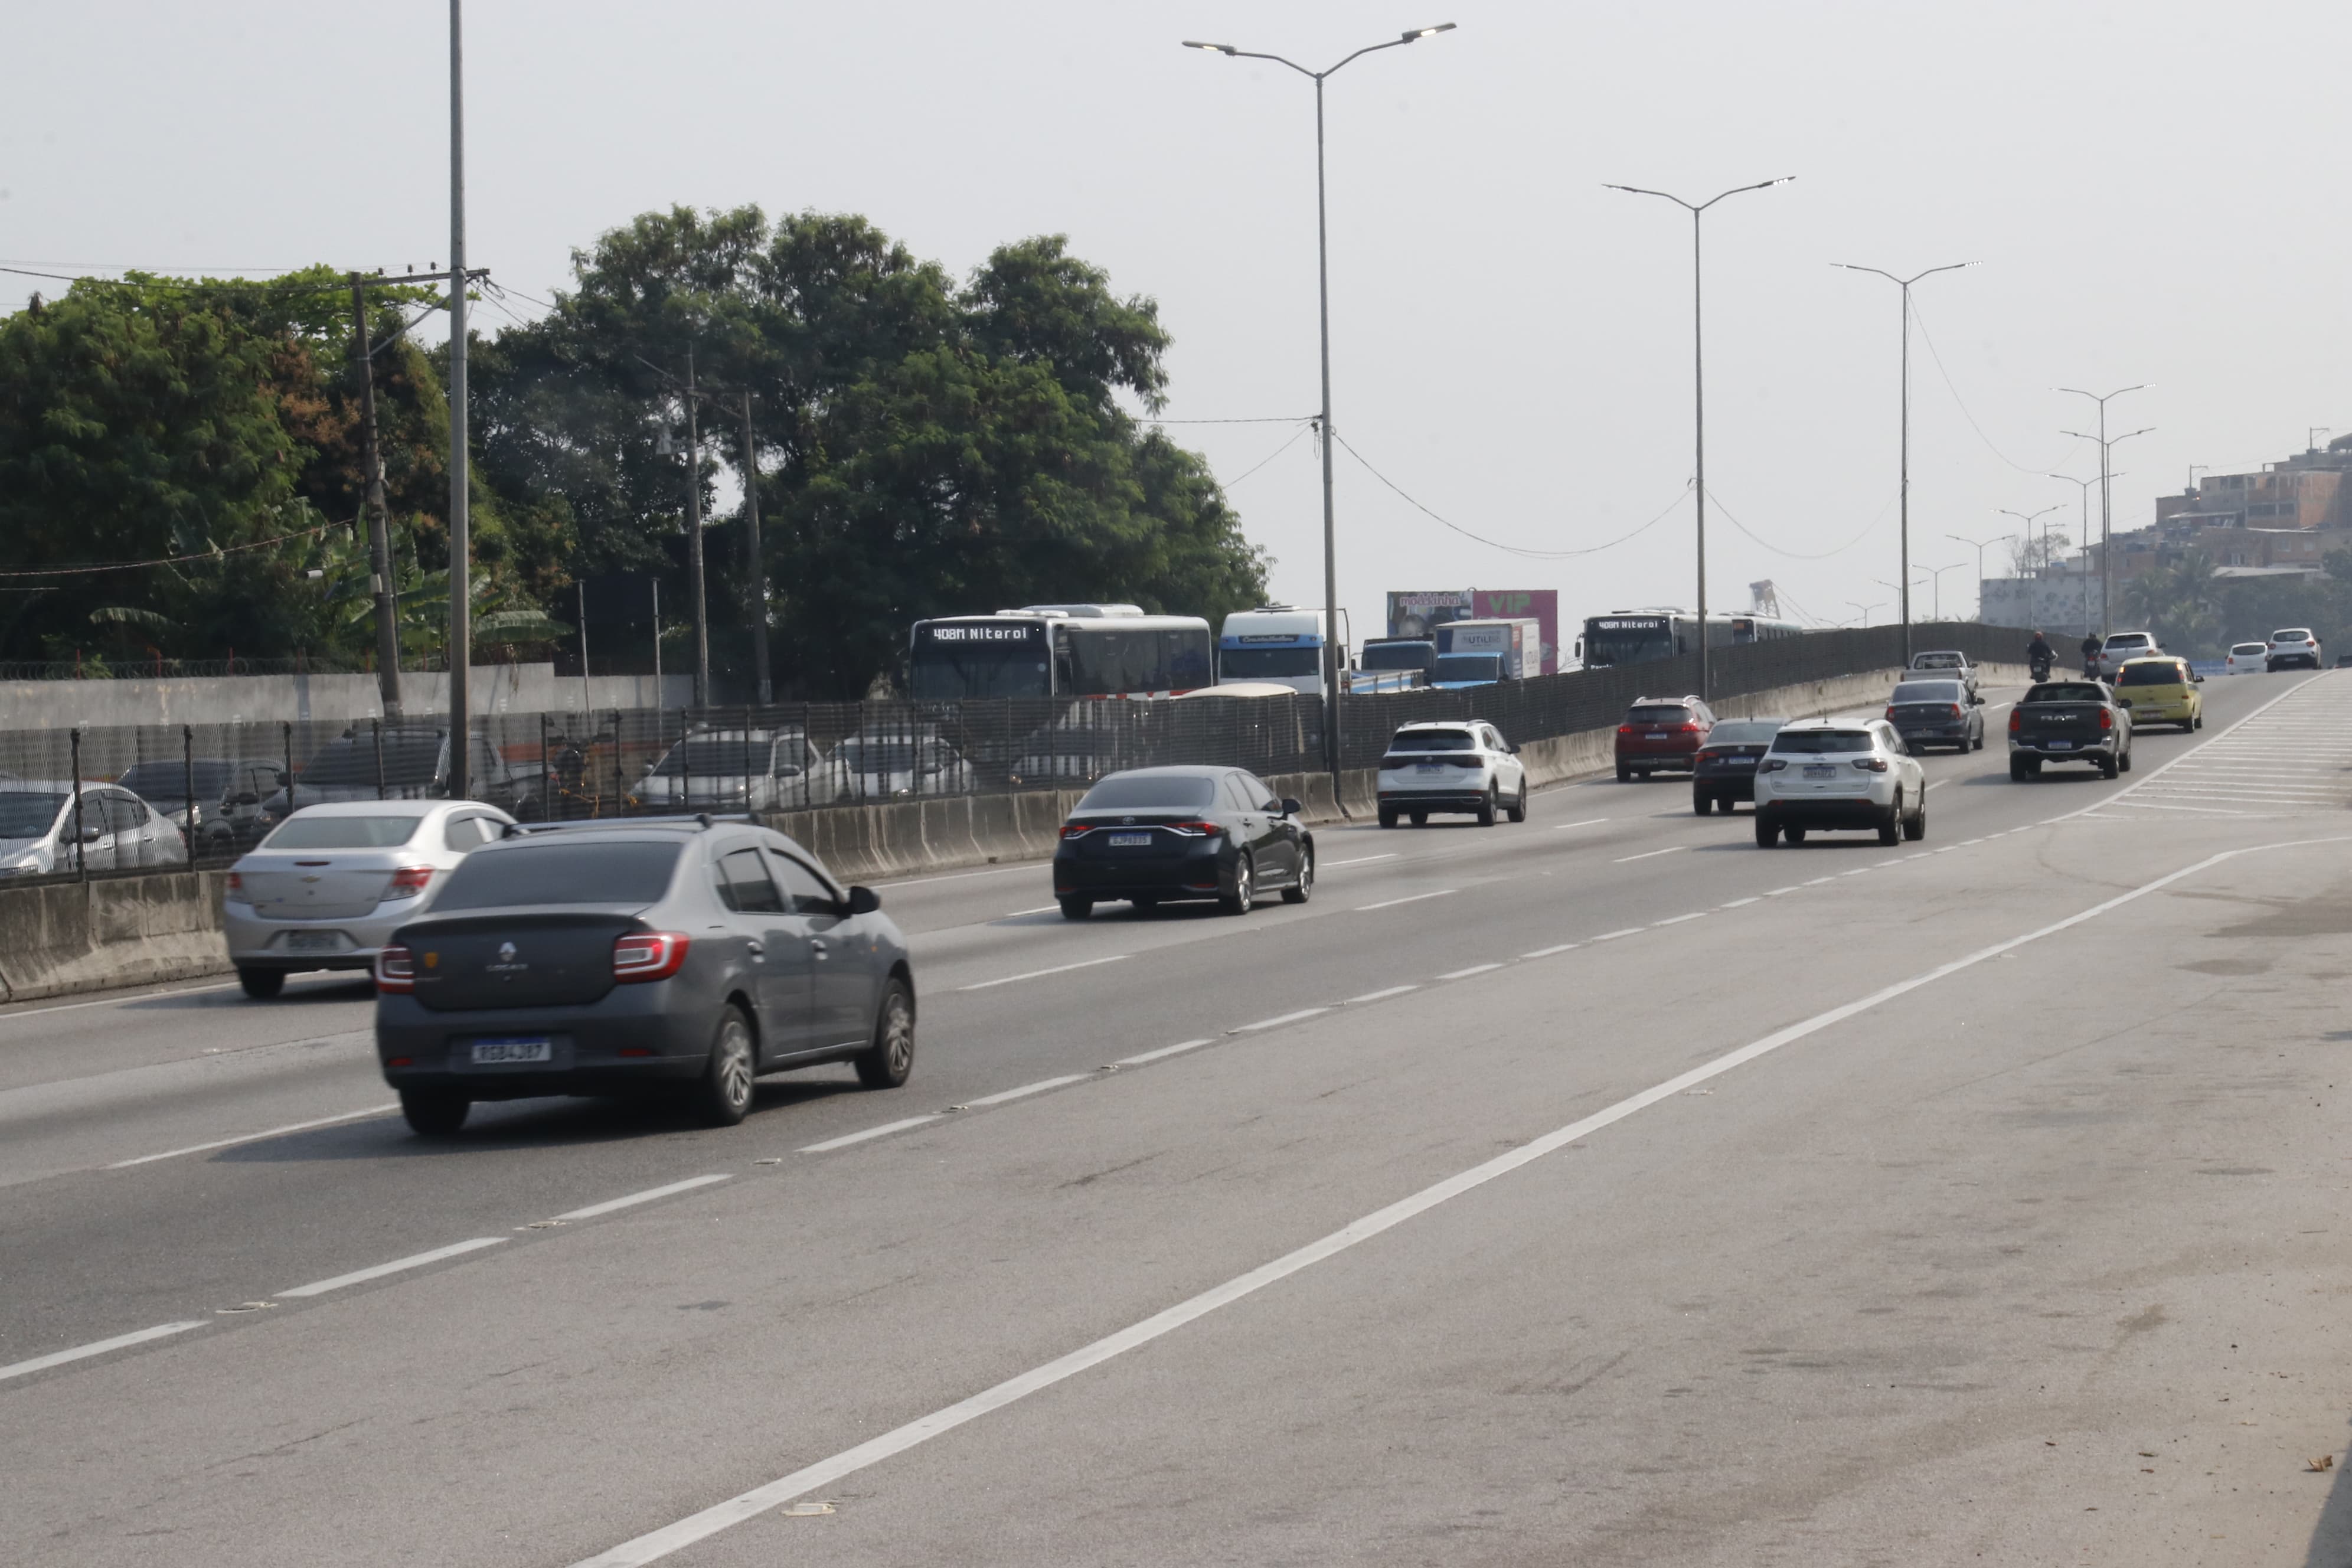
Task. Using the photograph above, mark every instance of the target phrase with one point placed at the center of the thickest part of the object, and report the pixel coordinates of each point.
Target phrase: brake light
(1956, 710)
(2016, 720)
(1624, 729)
(1074, 830)
(1890, 710)
(2106, 720)
(1685, 729)
(395, 970)
(236, 893)
(649, 955)
(1771, 764)
(1871, 764)
(408, 882)
(1192, 830)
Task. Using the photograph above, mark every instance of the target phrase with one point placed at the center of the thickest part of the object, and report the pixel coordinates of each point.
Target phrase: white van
(1280, 644)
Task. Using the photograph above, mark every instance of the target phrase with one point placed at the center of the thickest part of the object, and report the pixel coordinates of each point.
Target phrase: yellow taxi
(2161, 690)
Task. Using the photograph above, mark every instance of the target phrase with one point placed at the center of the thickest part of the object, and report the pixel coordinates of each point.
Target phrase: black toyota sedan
(1724, 771)
(1155, 835)
(684, 957)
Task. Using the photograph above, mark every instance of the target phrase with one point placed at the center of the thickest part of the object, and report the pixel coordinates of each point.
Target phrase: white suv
(2121, 645)
(1840, 773)
(2293, 647)
(1462, 765)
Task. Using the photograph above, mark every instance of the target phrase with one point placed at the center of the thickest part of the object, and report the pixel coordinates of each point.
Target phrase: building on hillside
(2063, 600)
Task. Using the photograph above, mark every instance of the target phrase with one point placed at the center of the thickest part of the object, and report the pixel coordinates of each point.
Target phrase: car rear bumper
(2291, 662)
(1852, 810)
(1453, 798)
(1936, 734)
(256, 941)
(434, 1050)
(1726, 787)
(1205, 873)
(2031, 752)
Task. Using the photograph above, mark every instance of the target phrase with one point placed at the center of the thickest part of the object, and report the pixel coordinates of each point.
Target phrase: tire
(1979, 745)
(1891, 830)
(886, 1063)
(2199, 724)
(2109, 767)
(433, 1112)
(1420, 818)
(721, 1097)
(1243, 898)
(1486, 808)
(261, 984)
(1518, 808)
(1625, 774)
(1388, 817)
(1299, 892)
(1076, 908)
(2017, 771)
(1702, 803)
(2123, 763)
(1793, 834)
(1768, 832)
(1915, 829)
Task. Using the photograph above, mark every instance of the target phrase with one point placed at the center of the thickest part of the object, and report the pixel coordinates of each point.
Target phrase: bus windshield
(1618, 640)
(1259, 663)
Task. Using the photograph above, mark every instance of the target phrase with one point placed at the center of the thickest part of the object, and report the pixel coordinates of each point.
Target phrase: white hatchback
(2247, 658)
(329, 885)
(1840, 773)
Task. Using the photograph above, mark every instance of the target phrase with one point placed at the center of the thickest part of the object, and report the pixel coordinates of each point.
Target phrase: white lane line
(611, 1206)
(1549, 951)
(2199, 810)
(1739, 903)
(1181, 1046)
(1040, 1087)
(1379, 996)
(1896, 861)
(398, 1264)
(83, 1352)
(1939, 783)
(1819, 880)
(655, 1544)
(882, 1131)
(1969, 843)
(1857, 871)
(1670, 849)
(114, 1001)
(1613, 935)
(1677, 920)
(1040, 909)
(1040, 973)
(960, 876)
(1776, 893)
(1587, 822)
(1392, 903)
(1474, 969)
(1277, 1022)
(255, 1137)
(1922, 855)
(1358, 861)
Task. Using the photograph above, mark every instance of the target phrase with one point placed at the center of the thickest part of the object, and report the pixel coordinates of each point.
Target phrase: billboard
(1416, 615)
(1542, 604)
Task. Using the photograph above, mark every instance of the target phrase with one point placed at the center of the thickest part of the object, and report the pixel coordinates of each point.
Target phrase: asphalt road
(1596, 1189)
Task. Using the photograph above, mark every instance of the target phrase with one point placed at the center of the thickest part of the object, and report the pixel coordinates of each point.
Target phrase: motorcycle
(2040, 665)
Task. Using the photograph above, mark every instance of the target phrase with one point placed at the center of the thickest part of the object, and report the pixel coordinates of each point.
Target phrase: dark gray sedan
(684, 956)
(1936, 712)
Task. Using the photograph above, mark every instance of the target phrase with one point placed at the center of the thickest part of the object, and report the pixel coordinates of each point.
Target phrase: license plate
(531, 1048)
(1742, 762)
(1129, 840)
(1429, 768)
(1820, 771)
(2059, 745)
(314, 942)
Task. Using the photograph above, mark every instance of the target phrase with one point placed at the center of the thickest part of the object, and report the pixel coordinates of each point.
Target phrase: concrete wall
(321, 699)
(63, 937)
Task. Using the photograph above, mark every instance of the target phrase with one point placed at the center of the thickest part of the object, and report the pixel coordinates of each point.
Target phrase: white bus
(1057, 650)
(1636, 636)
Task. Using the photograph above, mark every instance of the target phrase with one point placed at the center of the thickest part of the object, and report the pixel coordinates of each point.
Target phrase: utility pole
(387, 633)
(694, 543)
(2106, 512)
(587, 692)
(461, 608)
(658, 685)
(759, 574)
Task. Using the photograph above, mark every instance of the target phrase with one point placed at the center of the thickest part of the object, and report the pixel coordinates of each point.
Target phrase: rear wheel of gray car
(886, 1062)
(1793, 834)
(2123, 763)
(1702, 802)
(261, 984)
(2109, 767)
(434, 1113)
(723, 1094)
(1245, 893)
(1388, 818)
(1299, 892)
(1420, 818)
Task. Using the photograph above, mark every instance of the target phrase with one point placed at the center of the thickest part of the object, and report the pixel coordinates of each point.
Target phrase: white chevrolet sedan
(329, 885)
(1840, 773)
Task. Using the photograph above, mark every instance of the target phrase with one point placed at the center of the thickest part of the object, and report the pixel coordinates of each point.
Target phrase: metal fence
(806, 755)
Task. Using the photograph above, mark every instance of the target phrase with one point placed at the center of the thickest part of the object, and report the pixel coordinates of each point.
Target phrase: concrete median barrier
(59, 938)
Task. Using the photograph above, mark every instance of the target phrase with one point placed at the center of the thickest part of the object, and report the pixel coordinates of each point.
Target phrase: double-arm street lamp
(2106, 512)
(1904, 284)
(1698, 389)
(1331, 655)
(2029, 519)
(1979, 545)
(1865, 610)
(2084, 487)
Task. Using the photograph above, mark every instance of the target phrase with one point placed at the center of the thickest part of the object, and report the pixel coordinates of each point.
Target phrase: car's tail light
(1956, 710)
(1624, 729)
(2106, 720)
(2016, 720)
(1685, 729)
(1771, 765)
(236, 893)
(649, 955)
(395, 970)
(1076, 830)
(1192, 830)
(1871, 764)
(408, 882)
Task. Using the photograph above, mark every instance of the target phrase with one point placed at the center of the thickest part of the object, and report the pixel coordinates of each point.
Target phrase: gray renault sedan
(668, 955)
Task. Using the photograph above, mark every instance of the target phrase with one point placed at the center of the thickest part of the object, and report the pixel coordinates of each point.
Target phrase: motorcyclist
(2091, 646)
(2040, 656)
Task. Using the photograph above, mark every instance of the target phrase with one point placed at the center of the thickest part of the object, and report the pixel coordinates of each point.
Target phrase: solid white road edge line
(1739, 904)
(1275, 1023)
(82, 1352)
(1613, 935)
(1040, 1087)
(657, 1544)
(362, 1275)
(1039, 974)
(255, 1137)
(1040, 909)
(1379, 996)
(1677, 920)
(1181, 1046)
(115, 1000)
(610, 1205)
(1415, 898)
(882, 1131)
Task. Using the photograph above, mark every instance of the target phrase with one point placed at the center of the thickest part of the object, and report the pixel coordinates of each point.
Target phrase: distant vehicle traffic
(398, 760)
(734, 770)
(1280, 644)
(2292, 647)
(2251, 659)
(1831, 774)
(2068, 721)
(1387, 664)
(42, 834)
(1517, 643)
(2119, 647)
(1949, 663)
(896, 767)
(1662, 733)
(1456, 767)
(325, 890)
(1637, 636)
(1927, 713)
(1058, 650)
(1456, 671)
(1723, 771)
(208, 819)
(634, 959)
(1154, 835)
(2162, 690)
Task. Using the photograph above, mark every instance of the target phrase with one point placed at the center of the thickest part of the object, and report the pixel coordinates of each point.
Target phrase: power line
(1272, 419)
(1799, 555)
(1497, 544)
(2043, 471)
(175, 560)
(1303, 430)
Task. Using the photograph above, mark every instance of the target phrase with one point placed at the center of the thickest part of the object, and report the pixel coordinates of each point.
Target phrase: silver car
(41, 836)
(731, 770)
(327, 886)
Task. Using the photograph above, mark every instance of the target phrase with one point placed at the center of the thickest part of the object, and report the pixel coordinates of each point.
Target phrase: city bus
(1637, 636)
(1057, 650)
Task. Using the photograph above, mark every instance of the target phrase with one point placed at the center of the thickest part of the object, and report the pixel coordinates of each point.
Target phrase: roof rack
(700, 821)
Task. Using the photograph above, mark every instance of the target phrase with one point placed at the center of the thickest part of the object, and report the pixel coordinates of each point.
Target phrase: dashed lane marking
(398, 1266)
(882, 1131)
(83, 1352)
(613, 1206)
(1413, 898)
(1041, 973)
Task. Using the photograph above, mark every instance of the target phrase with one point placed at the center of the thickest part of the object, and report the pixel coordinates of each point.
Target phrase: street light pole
(2106, 512)
(1905, 493)
(1699, 395)
(2028, 520)
(1865, 610)
(1331, 652)
(461, 607)
(1979, 545)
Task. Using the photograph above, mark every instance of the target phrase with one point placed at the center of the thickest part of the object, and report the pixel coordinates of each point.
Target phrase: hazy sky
(2151, 188)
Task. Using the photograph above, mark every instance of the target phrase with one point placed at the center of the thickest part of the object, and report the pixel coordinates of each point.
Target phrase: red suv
(1662, 732)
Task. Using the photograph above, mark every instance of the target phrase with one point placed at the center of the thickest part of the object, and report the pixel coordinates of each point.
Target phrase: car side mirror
(1291, 807)
(1974, 700)
(92, 834)
(863, 900)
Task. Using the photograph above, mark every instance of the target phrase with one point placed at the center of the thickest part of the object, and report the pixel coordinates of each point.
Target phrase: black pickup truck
(2068, 721)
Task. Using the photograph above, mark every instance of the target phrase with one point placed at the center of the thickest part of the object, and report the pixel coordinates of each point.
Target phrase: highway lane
(247, 1219)
(1672, 1344)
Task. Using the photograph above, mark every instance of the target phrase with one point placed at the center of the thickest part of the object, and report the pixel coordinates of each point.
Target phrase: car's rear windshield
(1433, 741)
(2249, 647)
(1929, 691)
(2157, 674)
(1150, 792)
(24, 814)
(408, 759)
(1743, 732)
(552, 871)
(1661, 713)
(2065, 691)
(300, 832)
(1938, 661)
(1814, 740)
(2292, 634)
(2131, 640)
(718, 757)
